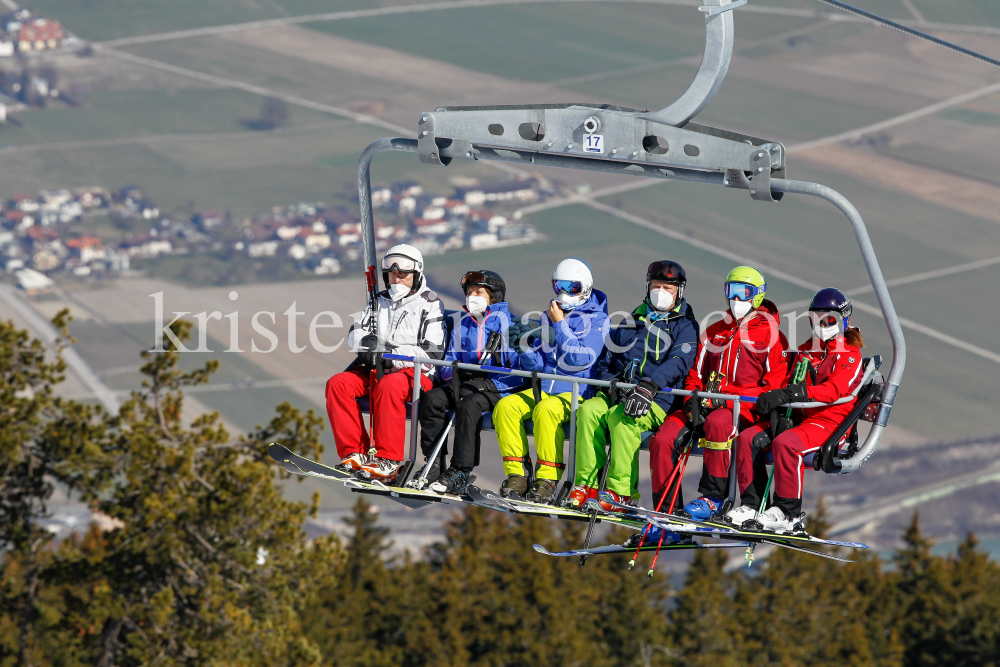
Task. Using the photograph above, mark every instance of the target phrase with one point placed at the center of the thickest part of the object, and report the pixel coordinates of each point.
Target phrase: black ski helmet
(831, 299)
(667, 271)
(491, 280)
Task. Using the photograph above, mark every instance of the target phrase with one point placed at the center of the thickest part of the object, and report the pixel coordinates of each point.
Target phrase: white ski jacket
(410, 327)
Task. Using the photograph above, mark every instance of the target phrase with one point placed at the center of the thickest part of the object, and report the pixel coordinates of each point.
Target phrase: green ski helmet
(746, 284)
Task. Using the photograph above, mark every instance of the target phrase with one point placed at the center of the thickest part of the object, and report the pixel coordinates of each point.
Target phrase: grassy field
(109, 19)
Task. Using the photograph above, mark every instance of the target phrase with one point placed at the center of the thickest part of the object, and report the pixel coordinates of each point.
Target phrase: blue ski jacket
(470, 337)
(660, 348)
(579, 344)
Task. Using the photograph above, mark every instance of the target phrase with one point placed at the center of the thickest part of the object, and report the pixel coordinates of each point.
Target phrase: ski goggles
(743, 291)
(664, 270)
(479, 278)
(826, 319)
(399, 263)
(571, 287)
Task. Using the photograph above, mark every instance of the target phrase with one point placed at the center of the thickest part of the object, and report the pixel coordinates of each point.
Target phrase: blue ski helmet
(832, 299)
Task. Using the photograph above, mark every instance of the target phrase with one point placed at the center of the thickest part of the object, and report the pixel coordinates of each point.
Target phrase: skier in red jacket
(834, 356)
(744, 354)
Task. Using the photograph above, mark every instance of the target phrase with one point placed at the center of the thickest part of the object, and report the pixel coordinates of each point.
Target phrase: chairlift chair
(662, 144)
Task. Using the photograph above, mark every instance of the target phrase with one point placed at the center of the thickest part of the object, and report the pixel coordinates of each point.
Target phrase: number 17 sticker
(593, 143)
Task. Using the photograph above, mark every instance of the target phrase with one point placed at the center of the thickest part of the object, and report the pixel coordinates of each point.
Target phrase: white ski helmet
(572, 282)
(404, 258)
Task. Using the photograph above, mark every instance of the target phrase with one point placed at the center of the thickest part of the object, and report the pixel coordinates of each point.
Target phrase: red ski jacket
(838, 372)
(755, 364)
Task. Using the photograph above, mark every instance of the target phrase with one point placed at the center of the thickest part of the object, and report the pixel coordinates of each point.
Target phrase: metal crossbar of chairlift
(567, 484)
(662, 144)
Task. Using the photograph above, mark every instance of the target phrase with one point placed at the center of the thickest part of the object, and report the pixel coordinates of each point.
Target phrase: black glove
(640, 400)
(480, 385)
(770, 400)
(696, 414)
(539, 333)
(514, 333)
(368, 351)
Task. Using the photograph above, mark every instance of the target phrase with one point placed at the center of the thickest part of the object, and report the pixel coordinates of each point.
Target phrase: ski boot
(653, 534)
(453, 481)
(579, 496)
(379, 470)
(624, 500)
(738, 516)
(542, 491)
(702, 509)
(351, 463)
(514, 487)
(775, 520)
(433, 473)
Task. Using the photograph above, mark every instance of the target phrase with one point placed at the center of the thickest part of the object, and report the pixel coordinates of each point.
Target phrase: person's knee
(719, 426)
(549, 410)
(786, 443)
(507, 408)
(393, 385)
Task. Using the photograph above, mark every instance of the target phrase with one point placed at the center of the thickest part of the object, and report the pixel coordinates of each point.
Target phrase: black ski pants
(434, 407)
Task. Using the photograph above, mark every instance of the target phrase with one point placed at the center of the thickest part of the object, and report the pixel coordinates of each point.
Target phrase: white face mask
(397, 291)
(661, 299)
(825, 333)
(569, 302)
(476, 304)
(740, 308)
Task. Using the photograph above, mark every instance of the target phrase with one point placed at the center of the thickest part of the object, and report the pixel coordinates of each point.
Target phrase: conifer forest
(202, 562)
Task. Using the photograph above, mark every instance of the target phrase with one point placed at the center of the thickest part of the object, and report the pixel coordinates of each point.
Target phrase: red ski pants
(388, 410)
(665, 447)
(789, 449)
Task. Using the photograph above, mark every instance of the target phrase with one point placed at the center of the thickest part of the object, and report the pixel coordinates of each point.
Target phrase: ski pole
(687, 455)
(666, 490)
(695, 410)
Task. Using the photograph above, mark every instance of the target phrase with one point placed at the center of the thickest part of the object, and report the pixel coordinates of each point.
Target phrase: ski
(619, 549)
(526, 507)
(796, 538)
(418, 498)
(300, 465)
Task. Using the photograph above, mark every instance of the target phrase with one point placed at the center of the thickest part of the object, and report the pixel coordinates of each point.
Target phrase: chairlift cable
(913, 33)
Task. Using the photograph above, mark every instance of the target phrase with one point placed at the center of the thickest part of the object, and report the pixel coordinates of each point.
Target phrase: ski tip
(540, 549)
(278, 452)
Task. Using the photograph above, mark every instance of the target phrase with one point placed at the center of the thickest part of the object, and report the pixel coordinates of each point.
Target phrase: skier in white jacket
(410, 321)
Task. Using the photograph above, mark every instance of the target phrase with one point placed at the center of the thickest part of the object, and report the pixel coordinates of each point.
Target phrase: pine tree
(628, 611)
(207, 564)
(705, 627)
(361, 618)
(925, 602)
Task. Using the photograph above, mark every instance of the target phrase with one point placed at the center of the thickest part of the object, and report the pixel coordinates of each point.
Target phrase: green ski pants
(595, 419)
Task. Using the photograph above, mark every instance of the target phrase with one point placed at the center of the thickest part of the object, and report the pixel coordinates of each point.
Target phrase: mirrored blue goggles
(743, 291)
(571, 287)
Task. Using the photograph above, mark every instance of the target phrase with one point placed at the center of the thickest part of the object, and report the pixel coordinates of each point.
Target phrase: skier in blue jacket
(655, 349)
(578, 317)
(479, 337)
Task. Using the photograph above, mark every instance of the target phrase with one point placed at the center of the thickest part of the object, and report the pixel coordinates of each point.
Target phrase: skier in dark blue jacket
(655, 349)
(479, 337)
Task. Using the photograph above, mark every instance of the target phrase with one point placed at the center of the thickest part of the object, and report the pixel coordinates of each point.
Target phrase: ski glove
(640, 400)
(770, 400)
(691, 413)
(480, 385)
(514, 333)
